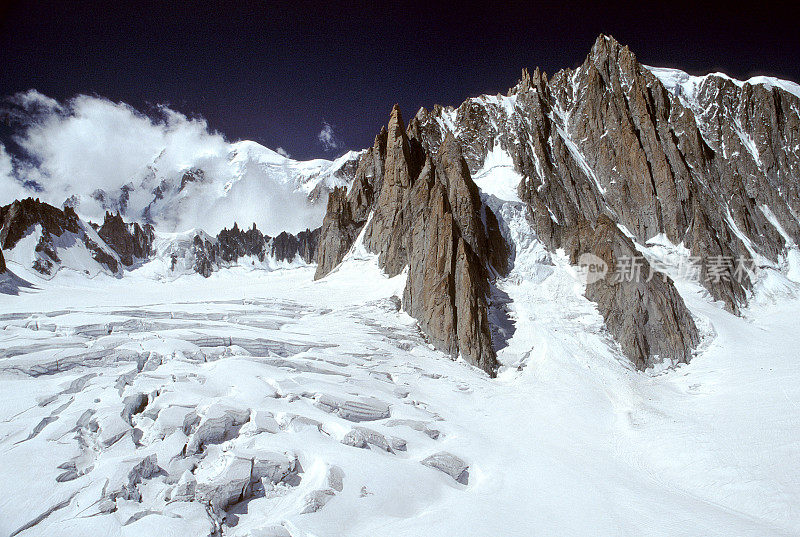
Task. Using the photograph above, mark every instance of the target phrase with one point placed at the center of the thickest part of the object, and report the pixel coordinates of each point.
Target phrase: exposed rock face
(230, 245)
(607, 149)
(2, 263)
(348, 212)
(427, 215)
(235, 243)
(192, 176)
(205, 256)
(59, 230)
(610, 137)
(21, 215)
(285, 247)
(131, 241)
(648, 318)
(339, 231)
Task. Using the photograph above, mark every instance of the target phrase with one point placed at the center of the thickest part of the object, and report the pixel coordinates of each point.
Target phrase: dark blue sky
(274, 72)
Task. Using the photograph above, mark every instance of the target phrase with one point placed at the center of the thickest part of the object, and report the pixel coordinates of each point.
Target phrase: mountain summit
(610, 155)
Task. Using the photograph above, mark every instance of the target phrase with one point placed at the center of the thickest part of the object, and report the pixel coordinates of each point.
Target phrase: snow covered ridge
(681, 83)
(248, 183)
(40, 241)
(604, 156)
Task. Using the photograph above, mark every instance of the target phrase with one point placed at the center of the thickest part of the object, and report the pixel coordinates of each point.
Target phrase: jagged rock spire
(427, 216)
(604, 150)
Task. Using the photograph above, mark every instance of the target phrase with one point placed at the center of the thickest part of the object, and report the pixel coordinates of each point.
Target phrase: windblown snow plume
(164, 167)
(10, 186)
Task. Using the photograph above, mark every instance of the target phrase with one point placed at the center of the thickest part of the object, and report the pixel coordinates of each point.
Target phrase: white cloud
(283, 152)
(10, 187)
(327, 138)
(95, 143)
(32, 99)
(88, 143)
(91, 143)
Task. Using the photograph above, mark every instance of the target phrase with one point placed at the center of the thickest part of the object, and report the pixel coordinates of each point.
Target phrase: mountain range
(606, 157)
(608, 254)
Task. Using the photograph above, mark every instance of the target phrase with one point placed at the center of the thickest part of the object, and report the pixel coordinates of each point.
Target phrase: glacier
(262, 403)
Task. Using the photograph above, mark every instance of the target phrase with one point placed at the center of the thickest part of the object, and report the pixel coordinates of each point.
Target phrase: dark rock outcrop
(21, 215)
(339, 231)
(195, 175)
(231, 245)
(205, 256)
(647, 316)
(235, 243)
(2, 262)
(712, 170)
(132, 242)
(285, 247)
(427, 215)
(59, 229)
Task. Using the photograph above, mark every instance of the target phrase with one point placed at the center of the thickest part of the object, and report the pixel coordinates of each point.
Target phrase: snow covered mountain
(245, 183)
(41, 240)
(567, 310)
(607, 158)
(39, 237)
(257, 403)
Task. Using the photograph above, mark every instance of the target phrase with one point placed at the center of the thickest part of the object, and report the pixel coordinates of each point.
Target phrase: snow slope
(249, 389)
(245, 183)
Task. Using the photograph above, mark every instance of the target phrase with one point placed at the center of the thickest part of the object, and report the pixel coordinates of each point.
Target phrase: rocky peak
(131, 242)
(398, 152)
(206, 254)
(287, 247)
(527, 81)
(608, 55)
(236, 243)
(426, 215)
(18, 217)
(396, 128)
(709, 164)
(58, 229)
(648, 318)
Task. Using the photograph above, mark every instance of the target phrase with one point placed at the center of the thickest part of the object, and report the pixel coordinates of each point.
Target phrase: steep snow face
(242, 182)
(498, 176)
(251, 184)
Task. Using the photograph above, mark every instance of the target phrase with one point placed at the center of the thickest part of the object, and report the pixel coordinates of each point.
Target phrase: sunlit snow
(272, 405)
